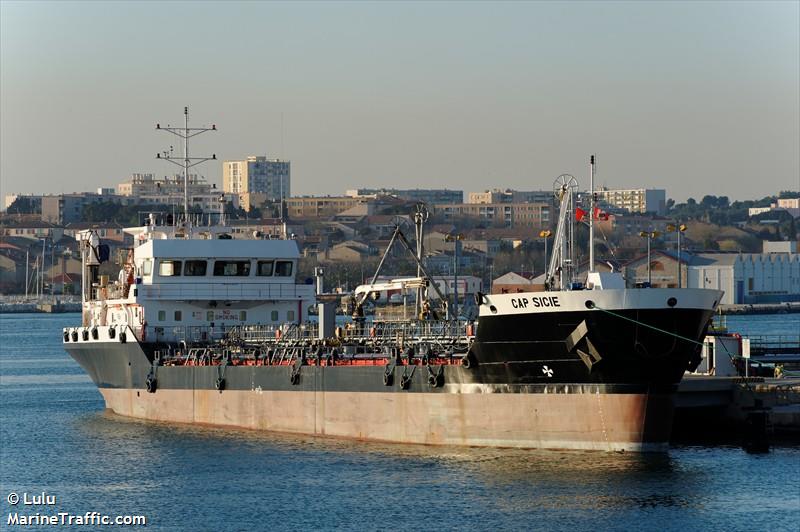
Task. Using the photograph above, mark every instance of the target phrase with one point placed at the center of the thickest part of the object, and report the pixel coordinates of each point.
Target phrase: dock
(710, 407)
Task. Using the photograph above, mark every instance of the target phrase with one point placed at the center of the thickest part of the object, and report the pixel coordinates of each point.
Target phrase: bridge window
(242, 315)
(162, 315)
(265, 268)
(194, 268)
(147, 267)
(289, 315)
(178, 315)
(274, 315)
(283, 268)
(169, 268)
(232, 268)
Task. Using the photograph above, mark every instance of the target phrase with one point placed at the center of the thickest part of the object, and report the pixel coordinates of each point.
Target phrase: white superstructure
(173, 288)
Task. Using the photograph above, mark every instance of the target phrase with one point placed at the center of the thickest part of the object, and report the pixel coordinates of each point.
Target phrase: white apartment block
(257, 179)
(635, 200)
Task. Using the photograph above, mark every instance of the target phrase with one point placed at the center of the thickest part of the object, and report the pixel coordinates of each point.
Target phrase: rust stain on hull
(608, 422)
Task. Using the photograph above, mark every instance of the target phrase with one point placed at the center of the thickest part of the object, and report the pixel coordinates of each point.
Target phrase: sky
(696, 98)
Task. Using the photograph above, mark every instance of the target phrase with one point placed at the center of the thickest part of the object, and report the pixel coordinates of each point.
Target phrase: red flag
(600, 215)
(579, 213)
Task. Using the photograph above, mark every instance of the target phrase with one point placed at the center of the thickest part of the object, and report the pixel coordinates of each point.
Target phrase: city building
(639, 200)
(515, 282)
(34, 199)
(430, 196)
(256, 180)
(322, 207)
(511, 196)
(149, 190)
(790, 205)
(62, 209)
(745, 278)
(503, 214)
(31, 229)
(633, 224)
(146, 185)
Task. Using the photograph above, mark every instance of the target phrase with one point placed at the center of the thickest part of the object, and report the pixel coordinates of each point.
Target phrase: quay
(19, 305)
(717, 408)
(789, 307)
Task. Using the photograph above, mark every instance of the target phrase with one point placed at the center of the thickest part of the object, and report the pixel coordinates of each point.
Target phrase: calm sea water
(56, 437)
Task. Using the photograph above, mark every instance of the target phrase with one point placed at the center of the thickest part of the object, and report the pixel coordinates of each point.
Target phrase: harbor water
(56, 438)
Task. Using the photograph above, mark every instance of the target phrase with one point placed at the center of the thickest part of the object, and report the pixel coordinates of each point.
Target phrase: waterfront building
(257, 179)
(746, 278)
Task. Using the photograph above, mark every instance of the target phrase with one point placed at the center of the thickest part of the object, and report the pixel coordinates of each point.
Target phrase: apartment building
(504, 214)
(636, 200)
(257, 179)
(424, 195)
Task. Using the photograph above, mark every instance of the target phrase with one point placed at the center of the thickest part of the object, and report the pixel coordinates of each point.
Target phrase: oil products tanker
(203, 328)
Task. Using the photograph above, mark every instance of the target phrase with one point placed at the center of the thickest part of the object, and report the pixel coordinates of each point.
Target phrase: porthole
(589, 304)
(493, 309)
(672, 302)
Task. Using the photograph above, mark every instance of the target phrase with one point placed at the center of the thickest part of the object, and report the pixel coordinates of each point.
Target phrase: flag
(579, 214)
(600, 215)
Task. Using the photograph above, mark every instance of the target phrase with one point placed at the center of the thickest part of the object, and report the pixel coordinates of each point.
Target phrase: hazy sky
(698, 98)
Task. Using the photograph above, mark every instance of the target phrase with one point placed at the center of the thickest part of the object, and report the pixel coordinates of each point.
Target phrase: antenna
(591, 214)
(185, 133)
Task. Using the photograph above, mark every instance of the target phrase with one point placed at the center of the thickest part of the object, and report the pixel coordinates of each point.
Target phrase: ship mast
(187, 162)
(591, 214)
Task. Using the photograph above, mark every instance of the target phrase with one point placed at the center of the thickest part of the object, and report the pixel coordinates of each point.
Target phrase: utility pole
(456, 239)
(185, 162)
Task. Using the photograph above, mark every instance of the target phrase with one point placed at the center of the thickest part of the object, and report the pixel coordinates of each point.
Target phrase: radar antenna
(185, 162)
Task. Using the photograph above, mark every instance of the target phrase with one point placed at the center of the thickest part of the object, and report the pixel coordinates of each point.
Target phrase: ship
(202, 328)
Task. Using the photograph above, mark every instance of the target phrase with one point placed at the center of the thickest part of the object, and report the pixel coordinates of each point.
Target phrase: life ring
(150, 384)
